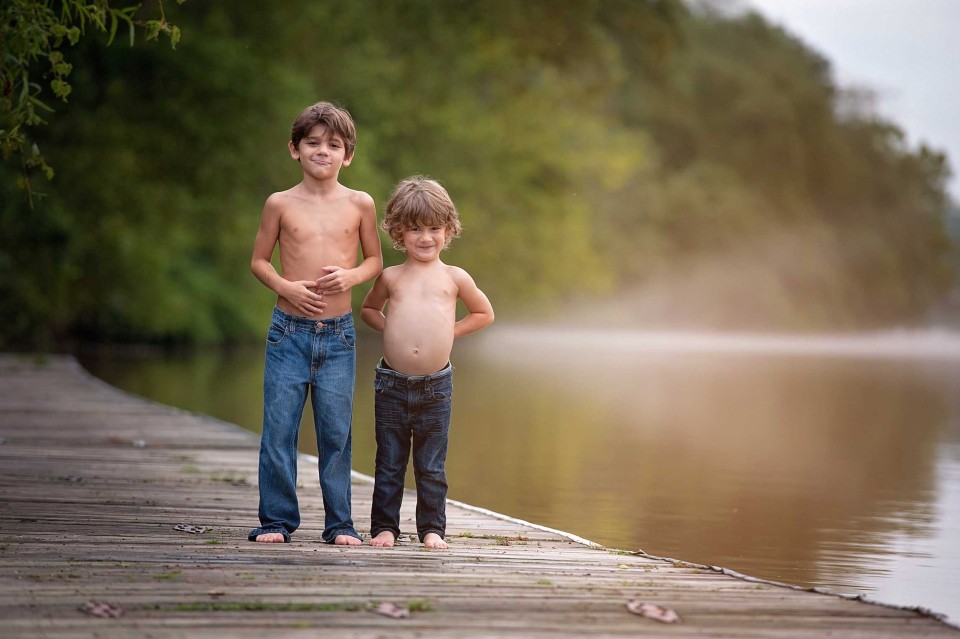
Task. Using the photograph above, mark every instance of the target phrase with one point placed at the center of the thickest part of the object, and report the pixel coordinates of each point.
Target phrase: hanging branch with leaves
(32, 35)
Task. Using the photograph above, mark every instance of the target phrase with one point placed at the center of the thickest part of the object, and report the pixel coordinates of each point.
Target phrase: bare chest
(436, 291)
(331, 225)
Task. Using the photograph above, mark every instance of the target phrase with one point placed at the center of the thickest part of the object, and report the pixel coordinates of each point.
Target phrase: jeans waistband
(344, 321)
(384, 369)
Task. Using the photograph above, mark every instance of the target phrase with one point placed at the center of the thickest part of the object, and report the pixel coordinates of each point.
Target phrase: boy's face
(321, 153)
(424, 243)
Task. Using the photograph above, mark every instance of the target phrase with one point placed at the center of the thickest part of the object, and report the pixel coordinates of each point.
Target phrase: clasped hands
(307, 295)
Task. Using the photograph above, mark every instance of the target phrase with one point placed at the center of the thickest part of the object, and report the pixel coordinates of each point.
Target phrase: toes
(270, 538)
(383, 540)
(433, 540)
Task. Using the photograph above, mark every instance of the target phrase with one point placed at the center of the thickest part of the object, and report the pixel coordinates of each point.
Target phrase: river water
(829, 461)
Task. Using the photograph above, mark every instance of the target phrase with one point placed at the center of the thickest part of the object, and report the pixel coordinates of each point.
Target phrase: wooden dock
(93, 483)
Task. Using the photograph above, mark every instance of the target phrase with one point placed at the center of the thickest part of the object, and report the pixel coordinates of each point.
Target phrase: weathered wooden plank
(92, 482)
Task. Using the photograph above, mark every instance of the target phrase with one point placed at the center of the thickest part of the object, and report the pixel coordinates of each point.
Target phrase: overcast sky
(903, 50)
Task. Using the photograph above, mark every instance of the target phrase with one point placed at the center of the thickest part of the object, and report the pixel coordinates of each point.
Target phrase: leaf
(653, 611)
(101, 609)
(113, 28)
(393, 611)
(193, 530)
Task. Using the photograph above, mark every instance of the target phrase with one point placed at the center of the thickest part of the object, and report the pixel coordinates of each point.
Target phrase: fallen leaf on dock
(101, 609)
(123, 441)
(653, 611)
(195, 530)
(393, 611)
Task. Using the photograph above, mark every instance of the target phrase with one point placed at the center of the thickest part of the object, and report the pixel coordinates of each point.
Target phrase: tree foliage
(33, 34)
(592, 148)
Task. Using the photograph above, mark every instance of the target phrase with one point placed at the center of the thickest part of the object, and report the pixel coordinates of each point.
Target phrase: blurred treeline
(697, 167)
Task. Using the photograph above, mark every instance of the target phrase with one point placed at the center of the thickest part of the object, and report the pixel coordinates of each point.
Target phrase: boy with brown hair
(319, 224)
(414, 381)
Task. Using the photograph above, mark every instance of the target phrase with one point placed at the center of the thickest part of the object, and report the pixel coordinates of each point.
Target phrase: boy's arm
(479, 310)
(337, 279)
(307, 302)
(372, 310)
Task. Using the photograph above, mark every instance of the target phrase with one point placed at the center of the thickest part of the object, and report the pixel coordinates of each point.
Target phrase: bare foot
(346, 540)
(433, 540)
(270, 538)
(385, 539)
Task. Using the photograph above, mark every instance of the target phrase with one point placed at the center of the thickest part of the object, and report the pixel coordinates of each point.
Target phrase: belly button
(416, 350)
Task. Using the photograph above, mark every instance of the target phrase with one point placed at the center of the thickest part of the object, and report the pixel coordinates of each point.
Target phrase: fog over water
(919, 344)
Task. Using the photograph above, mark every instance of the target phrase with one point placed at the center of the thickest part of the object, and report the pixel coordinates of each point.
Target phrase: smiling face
(422, 204)
(321, 153)
(424, 243)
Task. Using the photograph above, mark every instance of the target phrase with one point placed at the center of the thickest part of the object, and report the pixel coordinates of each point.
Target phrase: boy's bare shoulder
(360, 199)
(457, 274)
(279, 200)
(391, 274)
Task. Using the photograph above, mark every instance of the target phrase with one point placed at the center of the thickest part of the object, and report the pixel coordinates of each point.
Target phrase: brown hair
(419, 201)
(336, 119)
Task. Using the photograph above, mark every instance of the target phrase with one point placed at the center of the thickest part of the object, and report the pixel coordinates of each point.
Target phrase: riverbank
(95, 483)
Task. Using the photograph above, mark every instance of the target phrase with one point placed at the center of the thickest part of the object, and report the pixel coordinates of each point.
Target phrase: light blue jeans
(318, 356)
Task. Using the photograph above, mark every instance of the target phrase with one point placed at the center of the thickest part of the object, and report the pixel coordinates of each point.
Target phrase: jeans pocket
(442, 392)
(275, 334)
(349, 338)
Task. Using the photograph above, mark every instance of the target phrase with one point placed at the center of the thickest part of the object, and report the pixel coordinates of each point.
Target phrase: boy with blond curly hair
(414, 379)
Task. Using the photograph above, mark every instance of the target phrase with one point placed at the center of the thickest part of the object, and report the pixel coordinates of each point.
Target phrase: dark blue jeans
(411, 410)
(318, 356)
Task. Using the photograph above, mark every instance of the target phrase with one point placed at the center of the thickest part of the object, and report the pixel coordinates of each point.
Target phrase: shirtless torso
(319, 237)
(420, 324)
(418, 332)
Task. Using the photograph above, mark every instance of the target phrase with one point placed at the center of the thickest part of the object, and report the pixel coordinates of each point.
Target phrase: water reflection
(822, 470)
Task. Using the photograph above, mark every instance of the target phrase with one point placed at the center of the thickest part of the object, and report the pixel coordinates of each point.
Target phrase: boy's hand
(337, 280)
(306, 298)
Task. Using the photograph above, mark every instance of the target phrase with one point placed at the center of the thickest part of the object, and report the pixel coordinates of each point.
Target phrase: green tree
(592, 147)
(33, 33)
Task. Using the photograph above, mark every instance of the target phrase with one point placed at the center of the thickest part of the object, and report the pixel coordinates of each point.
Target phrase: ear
(347, 161)
(294, 153)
